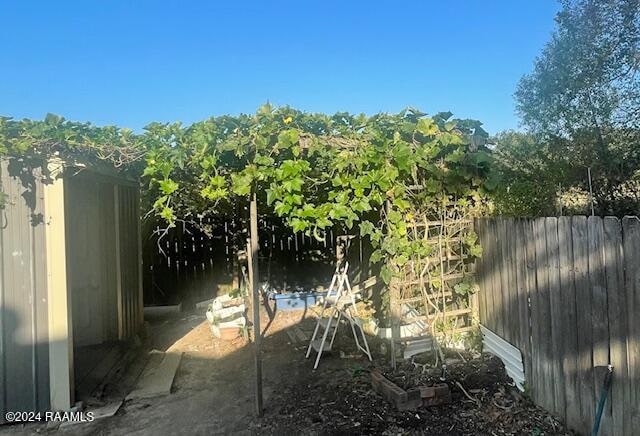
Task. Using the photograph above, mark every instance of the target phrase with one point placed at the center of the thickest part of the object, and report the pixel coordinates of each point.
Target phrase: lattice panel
(427, 287)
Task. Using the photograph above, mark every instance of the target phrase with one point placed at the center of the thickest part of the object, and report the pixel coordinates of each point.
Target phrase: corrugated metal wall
(104, 274)
(24, 350)
(103, 258)
(130, 259)
(91, 255)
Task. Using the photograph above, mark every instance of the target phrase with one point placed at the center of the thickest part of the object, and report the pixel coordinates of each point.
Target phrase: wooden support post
(254, 278)
(61, 371)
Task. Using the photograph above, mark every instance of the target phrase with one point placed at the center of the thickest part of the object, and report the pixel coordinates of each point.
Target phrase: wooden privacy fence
(199, 261)
(566, 292)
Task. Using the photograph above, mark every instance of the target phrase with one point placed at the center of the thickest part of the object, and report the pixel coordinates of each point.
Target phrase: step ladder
(339, 304)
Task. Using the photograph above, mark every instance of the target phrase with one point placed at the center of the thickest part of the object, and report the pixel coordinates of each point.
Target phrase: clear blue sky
(133, 62)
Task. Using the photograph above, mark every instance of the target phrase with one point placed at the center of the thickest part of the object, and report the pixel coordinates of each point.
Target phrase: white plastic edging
(510, 355)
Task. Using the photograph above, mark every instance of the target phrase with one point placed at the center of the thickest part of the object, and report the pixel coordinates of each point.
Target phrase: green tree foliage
(582, 103)
(530, 174)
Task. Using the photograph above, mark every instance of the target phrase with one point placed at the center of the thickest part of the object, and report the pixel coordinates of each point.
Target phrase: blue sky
(133, 62)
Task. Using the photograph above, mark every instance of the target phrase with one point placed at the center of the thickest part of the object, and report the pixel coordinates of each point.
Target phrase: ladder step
(316, 345)
(325, 321)
(356, 320)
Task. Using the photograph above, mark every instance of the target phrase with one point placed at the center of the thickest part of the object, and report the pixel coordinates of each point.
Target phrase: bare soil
(213, 391)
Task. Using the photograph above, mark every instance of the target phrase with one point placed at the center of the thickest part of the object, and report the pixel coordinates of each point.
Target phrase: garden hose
(603, 399)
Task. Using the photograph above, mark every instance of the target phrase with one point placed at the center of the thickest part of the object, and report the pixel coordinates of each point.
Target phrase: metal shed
(70, 276)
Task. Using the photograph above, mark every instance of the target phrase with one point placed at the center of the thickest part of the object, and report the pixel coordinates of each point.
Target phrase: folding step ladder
(339, 303)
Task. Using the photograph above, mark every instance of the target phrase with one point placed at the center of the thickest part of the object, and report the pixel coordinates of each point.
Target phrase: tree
(530, 173)
(583, 98)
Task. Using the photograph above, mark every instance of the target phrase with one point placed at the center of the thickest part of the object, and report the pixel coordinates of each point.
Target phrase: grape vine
(314, 171)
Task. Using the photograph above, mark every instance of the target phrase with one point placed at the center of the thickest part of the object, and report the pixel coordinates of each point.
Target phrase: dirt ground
(213, 391)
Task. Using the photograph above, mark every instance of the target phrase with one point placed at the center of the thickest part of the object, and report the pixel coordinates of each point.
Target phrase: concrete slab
(156, 379)
(105, 411)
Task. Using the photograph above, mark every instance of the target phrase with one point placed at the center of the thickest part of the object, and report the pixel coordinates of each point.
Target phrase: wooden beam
(61, 377)
(254, 278)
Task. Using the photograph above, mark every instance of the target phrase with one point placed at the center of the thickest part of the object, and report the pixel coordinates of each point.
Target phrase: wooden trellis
(433, 291)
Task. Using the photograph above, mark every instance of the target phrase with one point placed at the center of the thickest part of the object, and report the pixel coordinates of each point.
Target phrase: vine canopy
(314, 171)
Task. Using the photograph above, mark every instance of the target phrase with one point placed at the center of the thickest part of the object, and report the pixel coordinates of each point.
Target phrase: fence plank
(542, 307)
(507, 317)
(631, 232)
(493, 280)
(616, 303)
(482, 270)
(568, 323)
(583, 316)
(537, 384)
(532, 374)
(599, 311)
(556, 315)
(514, 298)
(497, 279)
(523, 295)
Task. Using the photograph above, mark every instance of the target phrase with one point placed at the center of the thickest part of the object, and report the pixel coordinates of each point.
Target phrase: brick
(435, 395)
(427, 391)
(389, 390)
(413, 394)
(414, 400)
(401, 399)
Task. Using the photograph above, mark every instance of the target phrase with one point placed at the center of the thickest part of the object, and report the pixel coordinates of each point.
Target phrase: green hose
(603, 399)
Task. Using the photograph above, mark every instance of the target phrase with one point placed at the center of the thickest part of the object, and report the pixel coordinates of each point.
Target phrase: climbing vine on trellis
(314, 171)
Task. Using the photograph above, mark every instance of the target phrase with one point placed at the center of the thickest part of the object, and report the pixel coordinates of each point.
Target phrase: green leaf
(282, 209)
(386, 273)
(298, 225)
(288, 138)
(475, 251)
(427, 127)
(266, 161)
(168, 215)
(376, 256)
(271, 196)
(149, 171)
(293, 185)
(168, 186)
(366, 228)
(241, 183)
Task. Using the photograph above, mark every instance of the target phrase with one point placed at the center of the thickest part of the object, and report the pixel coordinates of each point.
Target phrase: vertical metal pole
(255, 277)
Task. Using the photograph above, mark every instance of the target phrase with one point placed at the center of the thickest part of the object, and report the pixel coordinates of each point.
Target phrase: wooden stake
(254, 279)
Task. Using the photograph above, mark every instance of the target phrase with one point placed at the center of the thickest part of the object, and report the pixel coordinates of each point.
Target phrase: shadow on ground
(213, 390)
